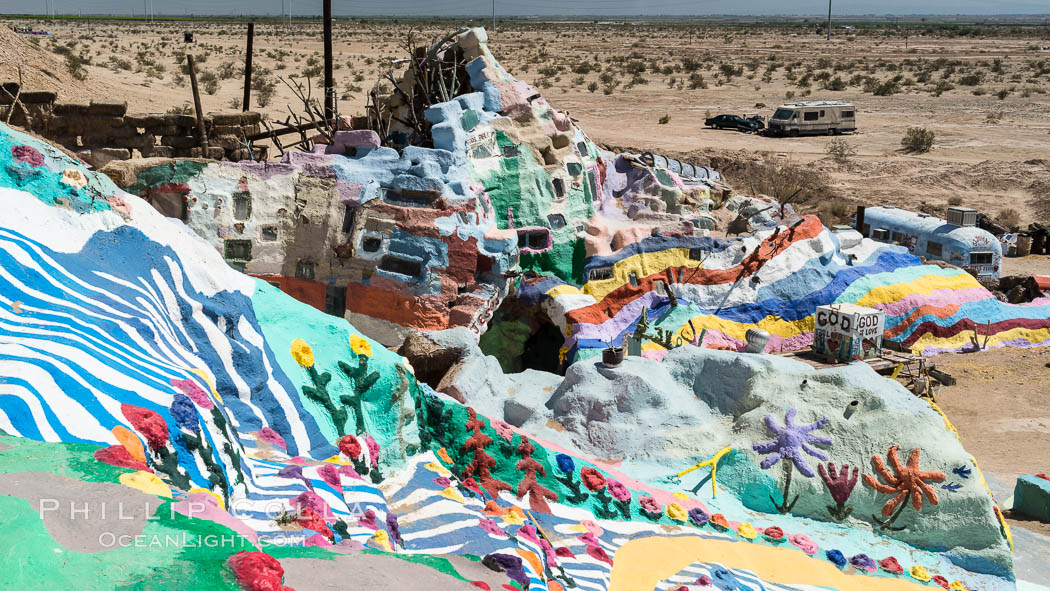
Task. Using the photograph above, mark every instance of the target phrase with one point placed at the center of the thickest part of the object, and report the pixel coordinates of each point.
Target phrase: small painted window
(304, 270)
(534, 239)
(660, 287)
(573, 168)
(696, 254)
(632, 277)
(242, 206)
(371, 244)
(238, 250)
(269, 233)
(933, 248)
(582, 148)
(401, 266)
(559, 187)
(510, 151)
(980, 258)
(600, 274)
(349, 216)
(556, 220)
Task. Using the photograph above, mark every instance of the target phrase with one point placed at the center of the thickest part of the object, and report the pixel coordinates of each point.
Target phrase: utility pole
(829, 20)
(493, 16)
(329, 84)
(248, 68)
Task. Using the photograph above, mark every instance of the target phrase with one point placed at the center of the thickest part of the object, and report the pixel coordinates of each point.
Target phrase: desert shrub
(974, 79)
(1009, 217)
(942, 87)
(696, 81)
(209, 81)
(954, 201)
(840, 150)
(835, 83)
(183, 109)
(917, 140)
(665, 120)
(789, 94)
(593, 86)
(229, 70)
(264, 88)
(1002, 94)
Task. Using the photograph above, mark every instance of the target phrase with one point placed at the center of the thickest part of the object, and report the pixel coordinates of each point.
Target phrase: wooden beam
(202, 134)
(248, 68)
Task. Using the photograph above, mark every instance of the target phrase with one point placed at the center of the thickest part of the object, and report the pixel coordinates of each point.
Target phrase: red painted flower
(117, 455)
(774, 533)
(350, 446)
(720, 520)
(592, 479)
(564, 552)
(310, 519)
(943, 582)
(597, 553)
(891, 565)
(472, 485)
(148, 423)
(257, 571)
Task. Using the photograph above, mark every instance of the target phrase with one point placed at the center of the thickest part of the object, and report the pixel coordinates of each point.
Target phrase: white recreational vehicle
(813, 118)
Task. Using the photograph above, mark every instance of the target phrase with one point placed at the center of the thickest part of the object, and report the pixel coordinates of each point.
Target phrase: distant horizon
(553, 9)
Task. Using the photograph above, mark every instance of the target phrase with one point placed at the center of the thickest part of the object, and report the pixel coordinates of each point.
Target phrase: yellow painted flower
(382, 539)
(680, 496)
(146, 482)
(957, 586)
(437, 468)
(360, 346)
(919, 573)
(74, 178)
(452, 494)
(676, 512)
(302, 353)
(513, 517)
(746, 530)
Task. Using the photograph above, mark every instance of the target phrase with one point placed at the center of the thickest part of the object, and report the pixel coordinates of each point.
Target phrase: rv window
(980, 258)
(822, 112)
(880, 234)
(783, 114)
(933, 249)
(867, 230)
(809, 116)
(847, 114)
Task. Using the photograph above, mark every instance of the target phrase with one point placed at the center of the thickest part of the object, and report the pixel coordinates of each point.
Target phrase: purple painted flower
(330, 474)
(491, 527)
(618, 490)
(512, 565)
(273, 437)
(698, 516)
(310, 500)
(373, 450)
(394, 529)
(195, 392)
(863, 562)
(27, 154)
(791, 441)
(294, 471)
(443, 482)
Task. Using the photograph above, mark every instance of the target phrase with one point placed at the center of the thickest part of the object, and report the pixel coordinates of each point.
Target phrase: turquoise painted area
(283, 320)
(36, 167)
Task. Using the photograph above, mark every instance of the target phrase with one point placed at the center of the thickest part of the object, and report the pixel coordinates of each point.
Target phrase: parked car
(733, 122)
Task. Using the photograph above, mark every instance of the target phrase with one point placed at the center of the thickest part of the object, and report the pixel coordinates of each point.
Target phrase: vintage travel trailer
(956, 240)
(813, 118)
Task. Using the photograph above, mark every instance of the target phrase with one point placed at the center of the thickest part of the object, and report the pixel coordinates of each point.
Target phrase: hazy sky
(535, 7)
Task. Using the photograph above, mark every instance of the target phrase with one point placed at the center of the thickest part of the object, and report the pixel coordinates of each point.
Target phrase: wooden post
(202, 134)
(329, 85)
(248, 69)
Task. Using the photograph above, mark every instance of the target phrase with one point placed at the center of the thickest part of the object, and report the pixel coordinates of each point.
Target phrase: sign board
(848, 332)
(482, 145)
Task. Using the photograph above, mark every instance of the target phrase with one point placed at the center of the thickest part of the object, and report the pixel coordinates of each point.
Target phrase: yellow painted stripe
(643, 563)
(560, 290)
(1032, 335)
(924, 285)
(773, 324)
(644, 264)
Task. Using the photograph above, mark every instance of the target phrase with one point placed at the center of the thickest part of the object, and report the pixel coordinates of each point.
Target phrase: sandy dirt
(1001, 408)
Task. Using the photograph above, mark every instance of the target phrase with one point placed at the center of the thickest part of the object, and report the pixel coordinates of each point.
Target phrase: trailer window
(783, 114)
(847, 114)
(822, 113)
(980, 258)
(933, 249)
(809, 116)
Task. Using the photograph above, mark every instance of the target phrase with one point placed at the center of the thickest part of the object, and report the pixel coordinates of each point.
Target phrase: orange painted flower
(906, 481)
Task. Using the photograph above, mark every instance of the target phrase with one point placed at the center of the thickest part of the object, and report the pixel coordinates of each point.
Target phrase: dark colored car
(733, 122)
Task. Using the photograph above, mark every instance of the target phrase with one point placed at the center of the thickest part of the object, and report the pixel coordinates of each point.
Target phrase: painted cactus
(840, 484)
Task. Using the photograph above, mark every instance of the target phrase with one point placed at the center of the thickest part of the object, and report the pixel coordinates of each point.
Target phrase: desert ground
(649, 86)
